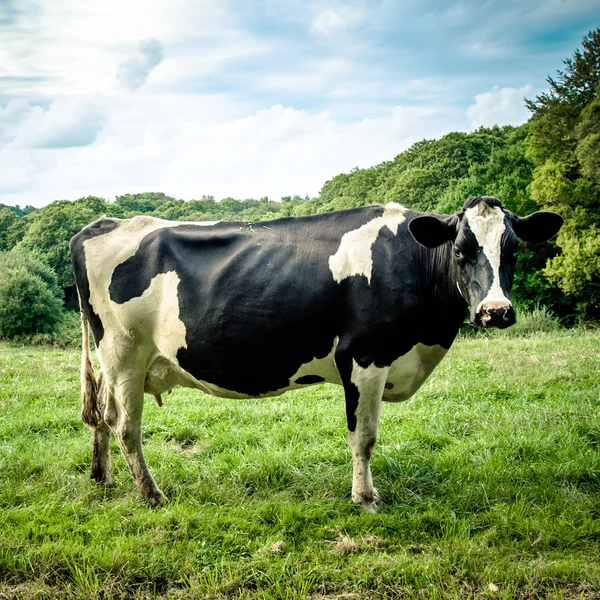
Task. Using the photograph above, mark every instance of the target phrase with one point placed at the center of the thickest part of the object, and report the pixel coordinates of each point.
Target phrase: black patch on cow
(309, 379)
(475, 200)
(256, 302)
(344, 363)
(100, 227)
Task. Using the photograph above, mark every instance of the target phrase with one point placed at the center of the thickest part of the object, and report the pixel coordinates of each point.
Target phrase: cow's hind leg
(123, 414)
(101, 439)
(101, 455)
(364, 390)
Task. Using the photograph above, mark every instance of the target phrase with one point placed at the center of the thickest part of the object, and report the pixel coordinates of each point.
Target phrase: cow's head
(484, 251)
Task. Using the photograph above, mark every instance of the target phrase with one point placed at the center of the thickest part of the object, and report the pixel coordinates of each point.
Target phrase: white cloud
(197, 150)
(68, 122)
(17, 171)
(499, 107)
(70, 47)
(330, 19)
(134, 72)
(11, 116)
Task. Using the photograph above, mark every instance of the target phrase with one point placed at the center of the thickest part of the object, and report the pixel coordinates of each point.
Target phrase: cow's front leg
(364, 389)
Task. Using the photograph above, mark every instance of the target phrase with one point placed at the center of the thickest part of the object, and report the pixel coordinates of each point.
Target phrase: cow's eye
(459, 255)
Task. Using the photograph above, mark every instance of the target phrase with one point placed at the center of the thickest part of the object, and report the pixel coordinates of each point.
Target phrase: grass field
(491, 476)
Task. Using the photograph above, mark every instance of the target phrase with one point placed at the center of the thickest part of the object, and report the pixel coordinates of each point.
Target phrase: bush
(30, 299)
(66, 335)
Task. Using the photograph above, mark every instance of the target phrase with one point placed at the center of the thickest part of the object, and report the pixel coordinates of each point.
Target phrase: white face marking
(487, 225)
(354, 255)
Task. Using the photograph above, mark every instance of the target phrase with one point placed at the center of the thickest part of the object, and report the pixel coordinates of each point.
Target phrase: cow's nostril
(496, 316)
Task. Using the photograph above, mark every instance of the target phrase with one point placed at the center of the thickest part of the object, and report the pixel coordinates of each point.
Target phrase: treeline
(551, 162)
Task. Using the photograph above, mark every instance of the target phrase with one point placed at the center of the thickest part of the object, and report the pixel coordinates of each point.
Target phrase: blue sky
(257, 97)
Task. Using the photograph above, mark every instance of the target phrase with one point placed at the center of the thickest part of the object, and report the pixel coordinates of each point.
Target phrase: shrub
(66, 335)
(30, 299)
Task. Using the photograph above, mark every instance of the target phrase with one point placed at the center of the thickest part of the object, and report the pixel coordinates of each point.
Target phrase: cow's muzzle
(492, 314)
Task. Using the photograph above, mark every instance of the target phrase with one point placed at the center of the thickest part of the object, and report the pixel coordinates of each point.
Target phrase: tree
(564, 144)
(30, 298)
(146, 202)
(7, 219)
(53, 226)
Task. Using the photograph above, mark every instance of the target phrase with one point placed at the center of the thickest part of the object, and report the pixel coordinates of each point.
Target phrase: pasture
(491, 475)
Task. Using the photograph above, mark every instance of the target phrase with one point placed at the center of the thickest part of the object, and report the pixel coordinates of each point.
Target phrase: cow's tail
(89, 385)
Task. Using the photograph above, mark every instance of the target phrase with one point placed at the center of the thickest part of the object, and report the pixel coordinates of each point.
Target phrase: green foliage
(228, 209)
(30, 298)
(8, 218)
(66, 333)
(564, 142)
(418, 178)
(20, 212)
(146, 202)
(50, 229)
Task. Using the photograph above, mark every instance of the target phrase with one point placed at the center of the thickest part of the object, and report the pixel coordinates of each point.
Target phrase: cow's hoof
(102, 478)
(372, 507)
(369, 503)
(156, 498)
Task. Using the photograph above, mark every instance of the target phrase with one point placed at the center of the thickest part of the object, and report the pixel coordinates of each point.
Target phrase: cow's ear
(431, 231)
(537, 227)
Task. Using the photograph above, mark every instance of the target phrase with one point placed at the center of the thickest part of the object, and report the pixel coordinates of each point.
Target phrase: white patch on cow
(408, 373)
(369, 381)
(487, 224)
(151, 319)
(354, 255)
(322, 367)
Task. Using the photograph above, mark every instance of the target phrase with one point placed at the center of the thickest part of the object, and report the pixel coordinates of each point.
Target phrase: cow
(368, 298)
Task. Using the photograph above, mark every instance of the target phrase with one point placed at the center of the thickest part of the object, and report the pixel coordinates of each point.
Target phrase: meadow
(490, 474)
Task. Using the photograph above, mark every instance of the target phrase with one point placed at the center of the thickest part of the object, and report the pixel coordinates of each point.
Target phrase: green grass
(491, 476)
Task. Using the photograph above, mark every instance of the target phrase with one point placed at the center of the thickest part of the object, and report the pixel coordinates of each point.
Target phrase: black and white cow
(369, 298)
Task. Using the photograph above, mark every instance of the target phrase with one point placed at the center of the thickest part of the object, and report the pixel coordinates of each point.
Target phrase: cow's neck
(439, 290)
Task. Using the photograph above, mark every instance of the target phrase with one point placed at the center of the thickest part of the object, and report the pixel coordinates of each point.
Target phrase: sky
(253, 98)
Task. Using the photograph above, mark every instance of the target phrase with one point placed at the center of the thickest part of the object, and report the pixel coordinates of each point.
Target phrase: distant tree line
(551, 162)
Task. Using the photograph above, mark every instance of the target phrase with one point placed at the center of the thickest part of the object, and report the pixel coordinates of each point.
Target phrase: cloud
(18, 171)
(499, 107)
(12, 10)
(195, 150)
(12, 114)
(68, 122)
(134, 72)
(335, 18)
